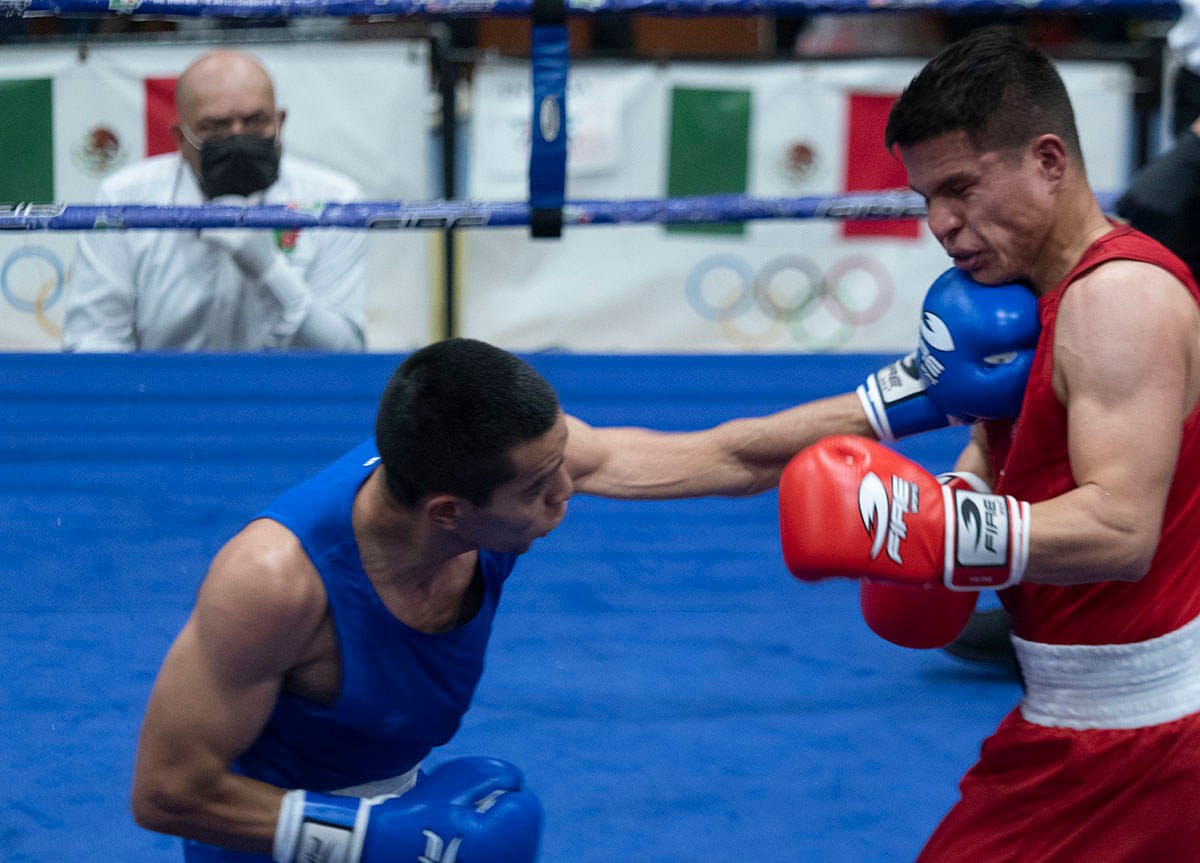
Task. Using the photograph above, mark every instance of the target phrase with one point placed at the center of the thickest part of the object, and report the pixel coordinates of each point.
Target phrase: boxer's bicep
(1123, 351)
(200, 717)
(1124, 359)
(216, 689)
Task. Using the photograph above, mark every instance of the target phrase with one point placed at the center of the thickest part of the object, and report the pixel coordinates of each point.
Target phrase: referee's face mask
(237, 164)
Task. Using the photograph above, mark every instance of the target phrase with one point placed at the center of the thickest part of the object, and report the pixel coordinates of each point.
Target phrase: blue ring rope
(476, 8)
(397, 215)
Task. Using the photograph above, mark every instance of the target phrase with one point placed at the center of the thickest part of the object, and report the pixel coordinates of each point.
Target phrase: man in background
(220, 289)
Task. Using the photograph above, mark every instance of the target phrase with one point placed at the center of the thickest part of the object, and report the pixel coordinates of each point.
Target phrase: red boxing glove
(851, 507)
(920, 618)
(914, 617)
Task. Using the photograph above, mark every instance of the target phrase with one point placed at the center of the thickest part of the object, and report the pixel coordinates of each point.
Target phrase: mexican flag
(73, 122)
(709, 153)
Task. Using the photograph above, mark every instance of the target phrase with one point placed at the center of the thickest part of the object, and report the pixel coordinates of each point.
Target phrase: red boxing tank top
(1029, 461)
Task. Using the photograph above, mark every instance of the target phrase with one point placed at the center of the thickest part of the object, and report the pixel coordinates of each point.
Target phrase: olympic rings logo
(790, 294)
(40, 268)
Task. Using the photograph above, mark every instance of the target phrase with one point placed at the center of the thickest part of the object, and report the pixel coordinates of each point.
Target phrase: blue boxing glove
(897, 403)
(975, 349)
(472, 810)
(976, 346)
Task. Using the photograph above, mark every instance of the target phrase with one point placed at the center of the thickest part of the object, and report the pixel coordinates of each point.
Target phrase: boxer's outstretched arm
(976, 347)
(739, 457)
(252, 621)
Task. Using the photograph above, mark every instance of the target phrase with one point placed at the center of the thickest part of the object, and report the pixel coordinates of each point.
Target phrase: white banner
(360, 107)
(771, 285)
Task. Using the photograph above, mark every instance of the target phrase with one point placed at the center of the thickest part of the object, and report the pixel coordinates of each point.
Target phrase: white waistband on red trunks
(1086, 686)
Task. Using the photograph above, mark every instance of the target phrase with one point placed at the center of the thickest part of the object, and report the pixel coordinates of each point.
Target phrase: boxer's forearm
(739, 457)
(230, 811)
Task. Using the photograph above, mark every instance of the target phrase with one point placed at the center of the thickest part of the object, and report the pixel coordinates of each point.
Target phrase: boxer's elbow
(163, 803)
(762, 480)
(153, 809)
(750, 459)
(1132, 545)
(1114, 536)
(746, 478)
(1132, 560)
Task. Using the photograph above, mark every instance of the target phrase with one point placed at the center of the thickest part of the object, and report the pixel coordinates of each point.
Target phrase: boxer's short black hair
(993, 85)
(451, 415)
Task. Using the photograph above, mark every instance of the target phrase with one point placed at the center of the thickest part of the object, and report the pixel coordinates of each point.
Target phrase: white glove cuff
(973, 481)
(316, 828)
(1020, 534)
(872, 404)
(972, 566)
(287, 828)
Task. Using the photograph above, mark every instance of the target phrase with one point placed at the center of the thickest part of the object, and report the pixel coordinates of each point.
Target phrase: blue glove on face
(974, 353)
(976, 346)
(469, 809)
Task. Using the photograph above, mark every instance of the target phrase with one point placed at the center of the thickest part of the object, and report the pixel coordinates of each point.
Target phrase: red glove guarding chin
(920, 618)
(851, 507)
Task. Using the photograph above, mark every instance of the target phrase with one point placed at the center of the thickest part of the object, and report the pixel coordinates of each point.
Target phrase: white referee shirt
(171, 290)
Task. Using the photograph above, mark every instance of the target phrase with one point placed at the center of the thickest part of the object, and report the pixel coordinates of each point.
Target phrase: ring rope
(443, 214)
(476, 8)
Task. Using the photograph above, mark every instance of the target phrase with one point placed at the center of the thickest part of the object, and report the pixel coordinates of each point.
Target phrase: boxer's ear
(443, 510)
(1049, 153)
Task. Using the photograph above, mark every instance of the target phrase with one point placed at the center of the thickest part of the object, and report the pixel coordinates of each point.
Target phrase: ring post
(548, 127)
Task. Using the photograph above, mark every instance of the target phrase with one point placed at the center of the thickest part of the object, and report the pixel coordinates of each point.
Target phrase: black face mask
(238, 165)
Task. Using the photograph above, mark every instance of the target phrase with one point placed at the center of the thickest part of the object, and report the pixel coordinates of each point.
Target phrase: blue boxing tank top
(403, 692)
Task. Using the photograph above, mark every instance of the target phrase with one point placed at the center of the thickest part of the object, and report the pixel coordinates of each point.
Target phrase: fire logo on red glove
(883, 517)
